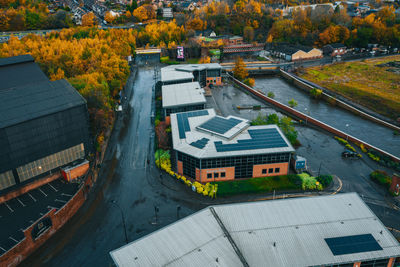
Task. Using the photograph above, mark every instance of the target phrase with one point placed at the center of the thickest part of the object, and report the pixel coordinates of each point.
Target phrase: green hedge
(381, 177)
(268, 184)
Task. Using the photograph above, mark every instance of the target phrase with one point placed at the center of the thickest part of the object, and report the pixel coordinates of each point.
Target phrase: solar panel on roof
(260, 139)
(183, 122)
(200, 143)
(220, 125)
(352, 244)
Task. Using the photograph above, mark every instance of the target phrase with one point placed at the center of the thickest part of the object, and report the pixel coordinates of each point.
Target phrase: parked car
(349, 154)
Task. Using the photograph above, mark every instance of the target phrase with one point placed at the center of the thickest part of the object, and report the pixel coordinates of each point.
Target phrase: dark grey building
(43, 124)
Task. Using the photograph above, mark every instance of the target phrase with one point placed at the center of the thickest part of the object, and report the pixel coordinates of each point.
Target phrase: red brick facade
(22, 250)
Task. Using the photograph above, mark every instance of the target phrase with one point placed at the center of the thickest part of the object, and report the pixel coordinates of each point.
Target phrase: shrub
(292, 103)
(325, 180)
(249, 81)
(271, 94)
(363, 149)
(373, 157)
(315, 93)
(164, 59)
(381, 177)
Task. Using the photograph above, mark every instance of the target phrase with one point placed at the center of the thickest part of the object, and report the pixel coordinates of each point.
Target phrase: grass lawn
(363, 82)
(256, 185)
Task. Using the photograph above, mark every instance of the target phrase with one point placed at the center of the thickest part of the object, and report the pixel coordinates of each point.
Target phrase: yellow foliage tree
(239, 71)
(89, 19)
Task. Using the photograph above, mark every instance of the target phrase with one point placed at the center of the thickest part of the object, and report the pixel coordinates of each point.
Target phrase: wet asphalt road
(97, 228)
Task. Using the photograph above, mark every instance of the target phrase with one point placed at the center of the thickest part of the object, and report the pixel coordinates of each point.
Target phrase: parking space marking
(50, 207)
(42, 192)
(32, 197)
(8, 207)
(62, 201)
(3, 249)
(67, 195)
(23, 205)
(13, 239)
(53, 187)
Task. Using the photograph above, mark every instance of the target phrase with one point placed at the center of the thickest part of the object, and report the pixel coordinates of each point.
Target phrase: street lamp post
(123, 219)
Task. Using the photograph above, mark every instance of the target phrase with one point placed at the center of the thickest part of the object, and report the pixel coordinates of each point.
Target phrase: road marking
(62, 201)
(32, 197)
(67, 195)
(42, 192)
(41, 214)
(9, 207)
(3, 249)
(53, 187)
(10, 237)
(50, 207)
(23, 205)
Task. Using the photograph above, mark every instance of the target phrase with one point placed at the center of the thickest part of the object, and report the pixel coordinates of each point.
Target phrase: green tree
(292, 103)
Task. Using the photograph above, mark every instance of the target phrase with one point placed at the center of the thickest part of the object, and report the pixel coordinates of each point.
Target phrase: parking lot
(21, 212)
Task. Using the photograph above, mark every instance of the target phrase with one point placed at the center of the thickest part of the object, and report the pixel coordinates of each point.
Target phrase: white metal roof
(231, 137)
(184, 71)
(298, 227)
(182, 94)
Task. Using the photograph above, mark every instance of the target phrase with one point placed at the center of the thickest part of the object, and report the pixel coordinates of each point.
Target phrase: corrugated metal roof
(288, 232)
(34, 100)
(182, 94)
(238, 132)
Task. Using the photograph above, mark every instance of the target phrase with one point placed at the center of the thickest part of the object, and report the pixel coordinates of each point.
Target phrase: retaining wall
(311, 120)
(306, 87)
(20, 251)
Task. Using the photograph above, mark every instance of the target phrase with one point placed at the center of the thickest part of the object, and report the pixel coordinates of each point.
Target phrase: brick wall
(395, 182)
(283, 169)
(76, 172)
(22, 250)
(30, 186)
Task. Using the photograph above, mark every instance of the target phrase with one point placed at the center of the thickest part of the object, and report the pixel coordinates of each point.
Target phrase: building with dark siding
(43, 124)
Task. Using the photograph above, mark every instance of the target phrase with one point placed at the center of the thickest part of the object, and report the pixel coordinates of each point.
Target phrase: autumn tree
(248, 34)
(109, 17)
(140, 13)
(240, 71)
(89, 19)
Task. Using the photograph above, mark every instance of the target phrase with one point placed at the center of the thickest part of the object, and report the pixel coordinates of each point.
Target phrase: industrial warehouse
(43, 123)
(205, 74)
(207, 147)
(336, 230)
(182, 97)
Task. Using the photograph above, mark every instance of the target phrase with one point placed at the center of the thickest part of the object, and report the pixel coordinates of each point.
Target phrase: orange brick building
(208, 148)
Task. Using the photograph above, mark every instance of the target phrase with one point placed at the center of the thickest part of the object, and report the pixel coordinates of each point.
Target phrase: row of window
(243, 164)
(271, 170)
(51, 162)
(169, 111)
(216, 175)
(6, 180)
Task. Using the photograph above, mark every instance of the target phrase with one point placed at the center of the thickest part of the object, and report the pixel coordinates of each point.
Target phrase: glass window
(277, 170)
(216, 174)
(270, 170)
(209, 175)
(222, 174)
(264, 171)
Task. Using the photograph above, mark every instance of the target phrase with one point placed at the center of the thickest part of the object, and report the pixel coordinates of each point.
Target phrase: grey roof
(26, 102)
(288, 232)
(183, 94)
(336, 45)
(184, 71)
(214, 148)
(19, 70)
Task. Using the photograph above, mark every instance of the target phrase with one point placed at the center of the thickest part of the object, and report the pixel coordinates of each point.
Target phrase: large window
(51, 162)
(169, 111)
(6, 180)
